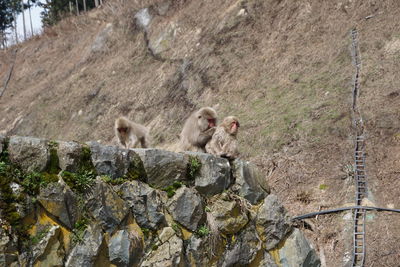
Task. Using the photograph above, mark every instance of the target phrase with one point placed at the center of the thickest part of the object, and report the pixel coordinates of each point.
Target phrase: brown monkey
(198, 130)
(224, 142)
(129, 133)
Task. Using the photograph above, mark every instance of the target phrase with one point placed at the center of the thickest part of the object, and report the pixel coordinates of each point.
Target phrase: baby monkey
(129, 133)
(224, 141)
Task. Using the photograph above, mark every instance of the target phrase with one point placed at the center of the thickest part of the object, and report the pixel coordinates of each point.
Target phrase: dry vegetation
(283, 67)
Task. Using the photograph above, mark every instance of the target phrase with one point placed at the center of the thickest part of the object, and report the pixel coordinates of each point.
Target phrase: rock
(106, 206)
(249, 182)
(162, 41)
(272, 222)
(49, 251)
(60, 202)
(100, 43)
(8, 246)
(145, 202)
(267, 261)
(143, 18)
(70, 155)
(111, 160)
(85, 253)
(166, 234)
(229, 216)
(244, 249)
(296, 251)
(214, 174)
(168, 254)
(196, 253)
(31, 154)
(162, 167)
(125, 248)
(187, 208)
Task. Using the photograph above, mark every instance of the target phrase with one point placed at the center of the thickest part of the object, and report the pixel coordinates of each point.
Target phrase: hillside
(283, 67)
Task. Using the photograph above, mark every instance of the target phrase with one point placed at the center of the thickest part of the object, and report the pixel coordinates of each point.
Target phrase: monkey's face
(234, 127)
(122, 131)
(205, 122)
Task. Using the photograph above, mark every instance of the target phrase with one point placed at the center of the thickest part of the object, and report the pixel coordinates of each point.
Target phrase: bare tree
(84, 5)
(77, 7)
(15, 27)
(23, 18)
(30, 16)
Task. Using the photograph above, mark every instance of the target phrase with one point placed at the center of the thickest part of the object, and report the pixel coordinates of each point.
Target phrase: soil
(283, 67)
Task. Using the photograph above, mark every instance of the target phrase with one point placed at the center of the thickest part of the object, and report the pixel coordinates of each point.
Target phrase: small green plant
(193, 167)
(171, 189)
(79, 229)
(146, 232)
(207, 209)
(107, 179)
(79, 182)
(203, 231)
(176, 228)
(154, 247)
(323, 186)
(32, 182)
(41, 233)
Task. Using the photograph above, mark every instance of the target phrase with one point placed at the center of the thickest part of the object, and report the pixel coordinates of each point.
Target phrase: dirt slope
(283, 67)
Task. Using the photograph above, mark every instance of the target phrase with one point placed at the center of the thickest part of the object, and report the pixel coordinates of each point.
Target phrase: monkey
(198, 130)
(129, 133)
(224, 141)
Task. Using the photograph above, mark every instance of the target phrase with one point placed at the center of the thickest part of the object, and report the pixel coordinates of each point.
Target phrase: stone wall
(72, 204)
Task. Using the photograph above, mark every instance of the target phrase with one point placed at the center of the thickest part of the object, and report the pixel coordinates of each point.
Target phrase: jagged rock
(145, 202)
(8, 246)
(267, 261)
(69, 154)
(166, 234)
(85, 253)
(106, 206)
(297, 251)
(272, 222)
(49, 251)
(31, 154)
(162, 167)
(60, 201)
(168, 254)
(249, 182)
(214, 175)
(196, 252)
(125, 248)
(162, 41)
(229, 216)
(244, 249)
(111, 160)
(187, 208)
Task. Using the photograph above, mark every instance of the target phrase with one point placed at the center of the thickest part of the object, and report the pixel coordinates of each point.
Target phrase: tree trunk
(96, 3)
(30, 17)
(77, 7)
(84, 5)
(23, 18)
(15, 27)
(70, 7)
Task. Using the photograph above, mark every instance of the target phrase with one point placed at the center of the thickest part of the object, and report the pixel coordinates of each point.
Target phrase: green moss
(323, 186)
(146, 232)
(154, 247)
(53, 167)
(136, 170)
(86, 164)
(171, 189)
(193, 167)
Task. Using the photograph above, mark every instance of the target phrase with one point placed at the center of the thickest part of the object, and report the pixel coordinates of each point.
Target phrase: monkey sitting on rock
(198, 130)
(129, 133)
(224, 141)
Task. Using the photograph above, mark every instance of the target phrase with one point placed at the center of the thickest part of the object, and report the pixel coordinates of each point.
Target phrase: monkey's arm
(205, 136)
